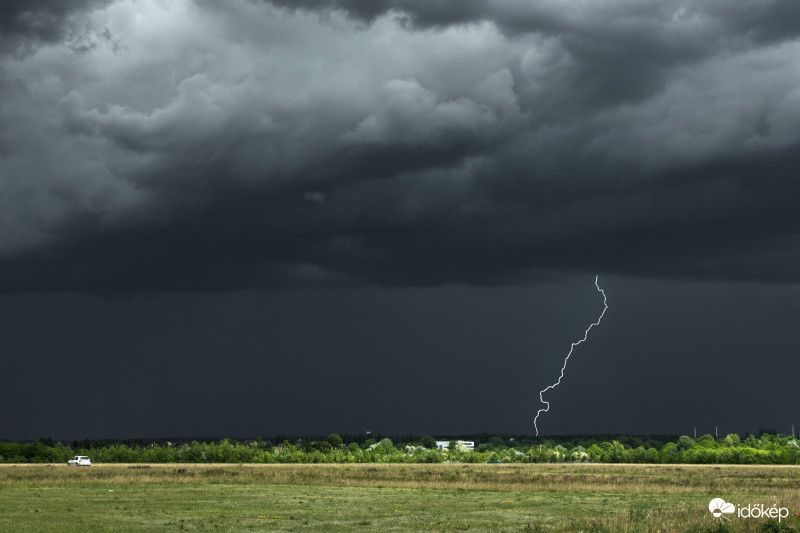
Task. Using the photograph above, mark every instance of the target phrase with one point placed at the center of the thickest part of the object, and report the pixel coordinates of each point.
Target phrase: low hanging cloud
(252, 144)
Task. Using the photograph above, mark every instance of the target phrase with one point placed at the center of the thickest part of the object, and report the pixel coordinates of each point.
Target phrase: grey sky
(197, 147)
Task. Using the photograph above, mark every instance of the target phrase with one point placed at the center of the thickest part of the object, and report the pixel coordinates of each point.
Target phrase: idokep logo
(719, 508)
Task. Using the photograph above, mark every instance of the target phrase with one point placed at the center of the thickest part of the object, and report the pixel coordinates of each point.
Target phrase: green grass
(596, 498)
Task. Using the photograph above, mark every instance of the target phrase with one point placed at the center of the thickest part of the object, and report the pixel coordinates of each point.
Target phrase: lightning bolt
(571, 348)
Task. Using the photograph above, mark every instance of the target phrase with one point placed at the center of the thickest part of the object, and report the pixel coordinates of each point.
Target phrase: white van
(80, 460)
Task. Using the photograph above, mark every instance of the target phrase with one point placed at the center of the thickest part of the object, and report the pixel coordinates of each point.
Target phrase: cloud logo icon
(718, 507)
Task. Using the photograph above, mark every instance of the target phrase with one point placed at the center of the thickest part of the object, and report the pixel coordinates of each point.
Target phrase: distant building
(445, 444)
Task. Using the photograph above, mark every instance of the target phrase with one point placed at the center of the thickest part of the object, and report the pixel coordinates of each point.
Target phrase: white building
(445, 444)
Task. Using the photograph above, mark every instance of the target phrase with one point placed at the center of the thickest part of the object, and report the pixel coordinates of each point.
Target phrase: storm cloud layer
(208, 146)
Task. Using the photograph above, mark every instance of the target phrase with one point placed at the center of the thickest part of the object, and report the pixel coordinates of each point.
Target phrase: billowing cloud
(24, 24)
(213, 146)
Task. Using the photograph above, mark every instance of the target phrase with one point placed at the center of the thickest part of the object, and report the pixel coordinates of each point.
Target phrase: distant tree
(746, 456)
(707, 441)
(685, 442)
(596, 453)
(497, 442)
(651, 455)
(428, 442)
(670, 453)
(633, 442)
(385, 444)
(335, 440)
(768, 441)
(225, 451)
(616, 453)
(732, 439)
(657, 444)
(637, 455)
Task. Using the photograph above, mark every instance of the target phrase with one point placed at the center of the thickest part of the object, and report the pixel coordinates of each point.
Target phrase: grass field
(377, 497)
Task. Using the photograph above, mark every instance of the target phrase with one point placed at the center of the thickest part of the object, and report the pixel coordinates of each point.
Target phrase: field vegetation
(561, 497)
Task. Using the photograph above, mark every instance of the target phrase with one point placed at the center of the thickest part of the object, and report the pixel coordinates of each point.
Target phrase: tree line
(731, 449)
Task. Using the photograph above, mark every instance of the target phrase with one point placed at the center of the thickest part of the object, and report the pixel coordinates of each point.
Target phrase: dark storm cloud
(620, 47)
(421, 12)
(399, 143)
(28, 22)
(765, 21)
